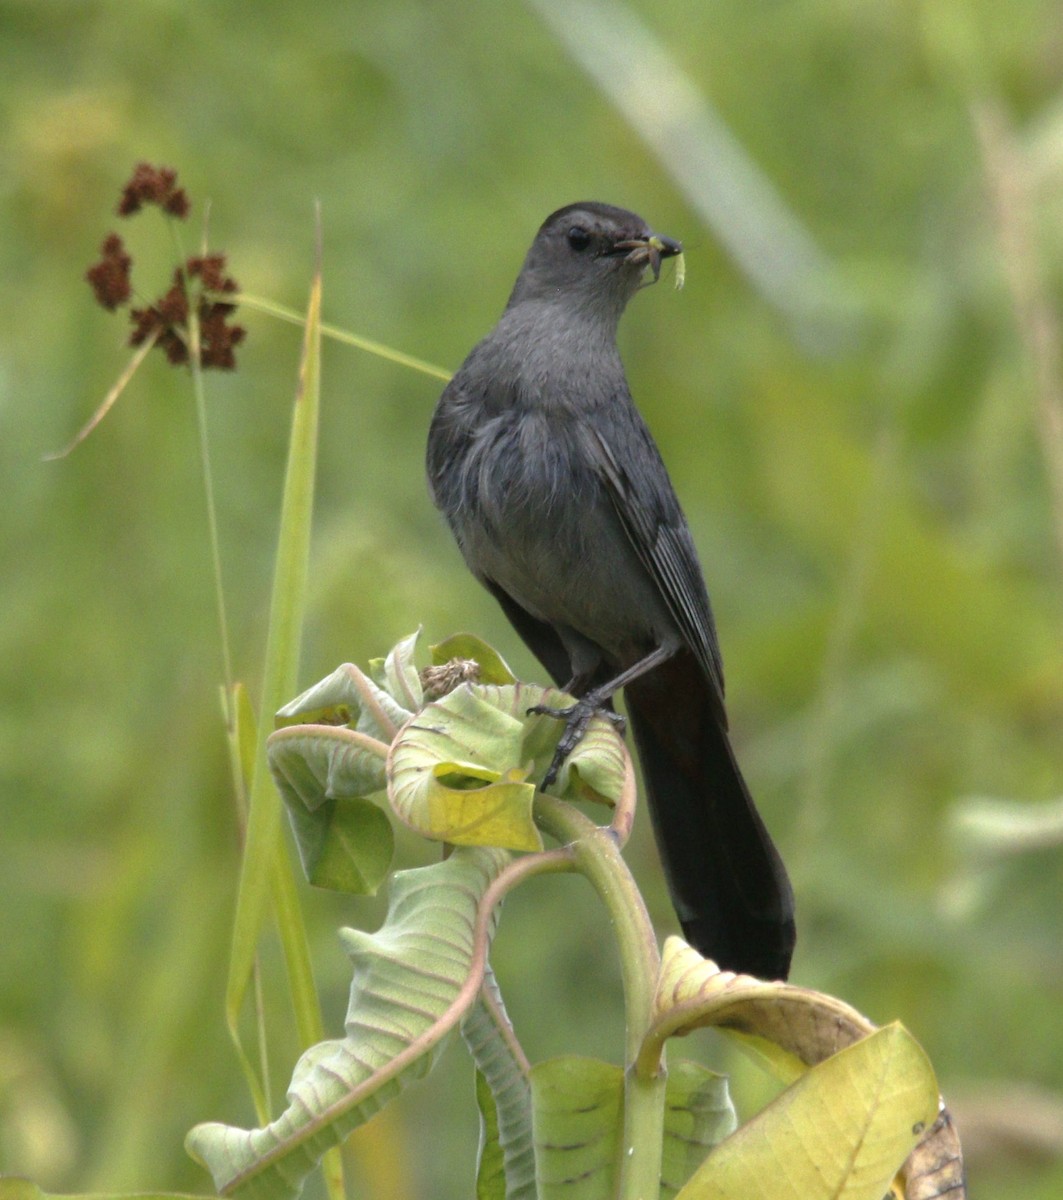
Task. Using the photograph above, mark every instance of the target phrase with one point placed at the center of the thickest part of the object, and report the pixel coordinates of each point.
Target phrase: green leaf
(346, 845)
(312, 764)
(347, 697)
(412, 982)
(596, 769)
(840, 1133)
(578, 1124)
(507, 1156)
(698, 1115)
(457, 774)
(460, 771)
(490, 1165)
(493, 668)
(400, 674)
(577, 1114)
(324, 773)
(329, 751)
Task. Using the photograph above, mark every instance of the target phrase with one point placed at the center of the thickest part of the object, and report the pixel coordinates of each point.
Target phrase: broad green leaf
(698, 1115)
(411, 985)
(324, 773)
(493, 668)
(506, 1165)
(346, 845)
(490, 1159)
(461, 770)
(577, 1107)
(840, 1133)
(578, 1124)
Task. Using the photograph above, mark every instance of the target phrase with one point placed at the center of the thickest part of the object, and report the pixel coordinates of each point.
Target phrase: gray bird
(563, 509)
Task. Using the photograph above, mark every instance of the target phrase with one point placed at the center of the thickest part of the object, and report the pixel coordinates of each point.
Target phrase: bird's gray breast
(537, 520)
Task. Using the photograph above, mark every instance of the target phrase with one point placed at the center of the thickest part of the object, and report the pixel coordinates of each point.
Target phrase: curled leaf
(935, 1167)
(324, 774)
(789, 1029)
(457, 771)
(347, 697)
(463, 769)
(493, 668)
(398, 673)
(412, 982)
(506, 1165)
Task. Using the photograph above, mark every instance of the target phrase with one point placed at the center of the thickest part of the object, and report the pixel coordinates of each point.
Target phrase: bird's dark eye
(578, 238)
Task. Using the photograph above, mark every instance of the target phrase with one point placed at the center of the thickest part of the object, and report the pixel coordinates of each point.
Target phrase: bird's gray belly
(540, 524)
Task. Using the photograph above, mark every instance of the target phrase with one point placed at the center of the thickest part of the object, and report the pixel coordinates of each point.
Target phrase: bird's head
(592, 256)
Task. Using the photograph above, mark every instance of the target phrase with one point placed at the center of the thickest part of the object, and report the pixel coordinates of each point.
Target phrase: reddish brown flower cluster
(167, 318)
(110, 276)
(153, 185)
(197, 283)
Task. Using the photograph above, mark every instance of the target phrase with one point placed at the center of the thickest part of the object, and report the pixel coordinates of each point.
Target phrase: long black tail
(727, 882)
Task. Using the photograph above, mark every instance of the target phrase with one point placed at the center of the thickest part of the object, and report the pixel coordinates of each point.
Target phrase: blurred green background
(854, 394)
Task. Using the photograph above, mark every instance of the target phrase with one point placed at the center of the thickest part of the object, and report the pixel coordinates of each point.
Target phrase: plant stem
(282, 313)
(597, 855)
(212, 516)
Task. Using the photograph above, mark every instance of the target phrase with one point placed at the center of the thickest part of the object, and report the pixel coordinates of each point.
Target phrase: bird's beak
(649, 250)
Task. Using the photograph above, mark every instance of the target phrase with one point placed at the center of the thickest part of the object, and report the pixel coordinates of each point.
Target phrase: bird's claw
(576, 717)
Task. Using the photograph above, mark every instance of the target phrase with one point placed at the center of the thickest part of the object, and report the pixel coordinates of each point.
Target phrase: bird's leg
(576, 717)
(595, 702)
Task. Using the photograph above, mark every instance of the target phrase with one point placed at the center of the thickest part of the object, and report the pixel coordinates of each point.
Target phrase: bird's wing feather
(653, 521)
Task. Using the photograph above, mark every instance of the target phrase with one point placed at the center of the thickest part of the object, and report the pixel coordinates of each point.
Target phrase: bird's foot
(576, 717)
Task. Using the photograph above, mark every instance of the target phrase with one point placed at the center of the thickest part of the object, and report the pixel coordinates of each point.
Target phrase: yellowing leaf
(454, 772)
(497, 814)
(839, 1133)
(464, 769)
(788, 1027)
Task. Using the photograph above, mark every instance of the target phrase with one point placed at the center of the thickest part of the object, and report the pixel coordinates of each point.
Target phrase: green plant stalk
(597, 855)
(199, 392)
(266, 864)
(241, 736)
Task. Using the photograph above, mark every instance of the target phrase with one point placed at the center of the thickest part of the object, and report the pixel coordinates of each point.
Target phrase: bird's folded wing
(653, 520)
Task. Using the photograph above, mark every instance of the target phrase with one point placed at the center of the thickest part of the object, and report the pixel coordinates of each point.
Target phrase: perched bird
(563, 509)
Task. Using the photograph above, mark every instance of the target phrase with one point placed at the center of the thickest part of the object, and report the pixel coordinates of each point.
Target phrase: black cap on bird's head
(593, 254)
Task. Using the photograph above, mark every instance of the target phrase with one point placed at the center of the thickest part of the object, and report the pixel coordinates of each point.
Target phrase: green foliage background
(873, 510)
